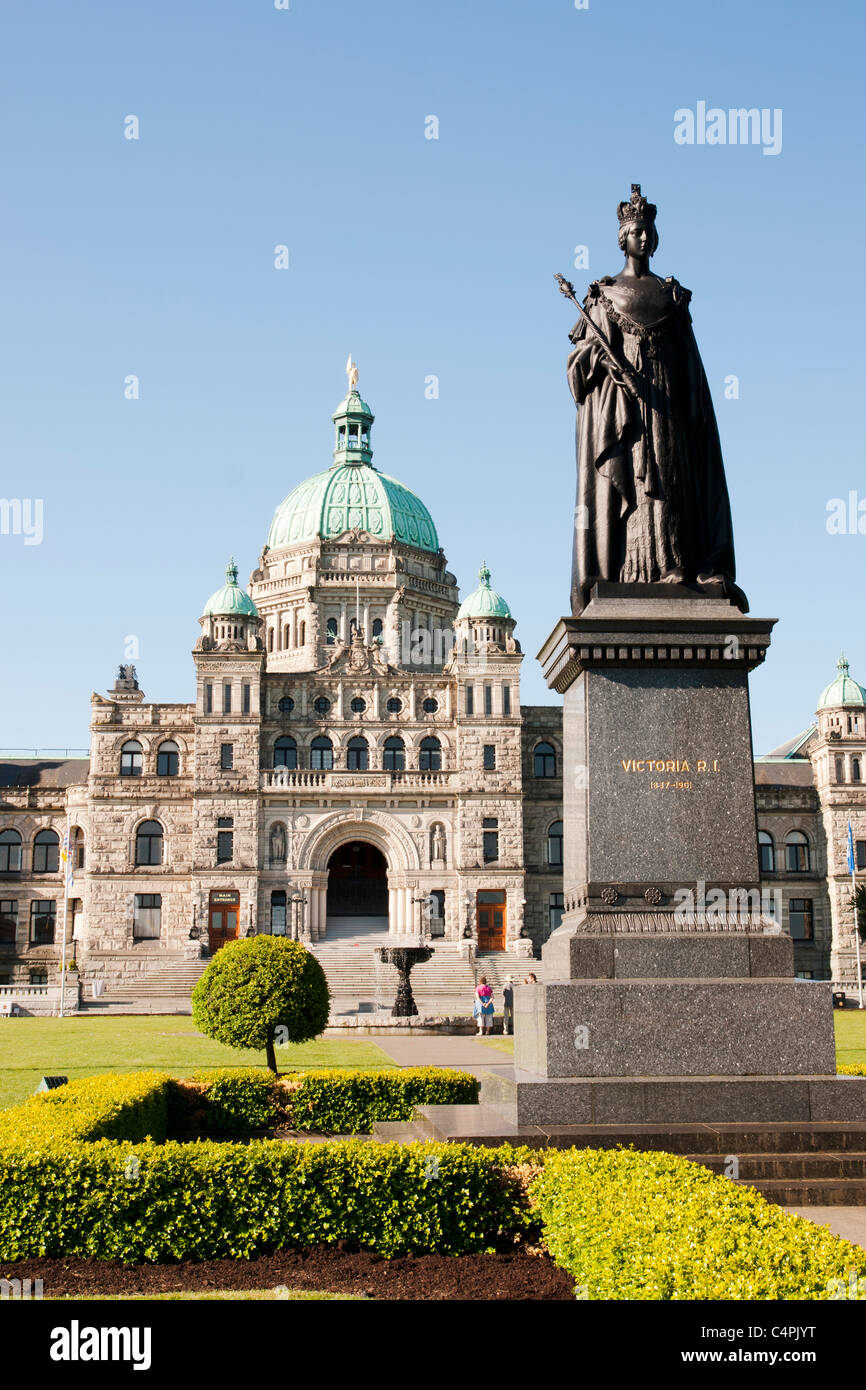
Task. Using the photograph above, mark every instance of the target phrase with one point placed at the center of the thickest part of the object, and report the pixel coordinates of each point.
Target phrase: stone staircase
(360, 984)
(791, 1163)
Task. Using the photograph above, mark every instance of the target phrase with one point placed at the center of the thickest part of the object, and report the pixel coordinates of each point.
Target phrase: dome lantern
(353, 421)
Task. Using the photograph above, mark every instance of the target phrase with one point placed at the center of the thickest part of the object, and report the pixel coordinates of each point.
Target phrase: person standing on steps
(482, 1010)
(508, 1005)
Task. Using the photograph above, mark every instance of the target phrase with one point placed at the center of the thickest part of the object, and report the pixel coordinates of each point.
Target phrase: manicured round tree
(252, 988)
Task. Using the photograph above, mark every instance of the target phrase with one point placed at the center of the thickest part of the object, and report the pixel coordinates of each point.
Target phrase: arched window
(840, 769)
(76, 847)
(554, 844)
(277, 844)
(46, 852)
(287, 635)
(10, 852)
(286, 752)
(394, 755)
(331, 632)
(430, 755)
(302, 635)
(167, 759)
(767, 851)
(148, 843)
(796, 852)
(377, 629)
(278, 912)
(130, 759)
(321, 753)
(544, 760)
(357, 755)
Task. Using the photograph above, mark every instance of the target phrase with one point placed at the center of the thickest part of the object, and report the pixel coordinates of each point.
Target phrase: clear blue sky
(306, 127)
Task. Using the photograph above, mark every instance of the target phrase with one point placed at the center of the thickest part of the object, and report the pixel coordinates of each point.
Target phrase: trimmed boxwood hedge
(624, 1224)
(323, 1102)
(131, 1107)
(629, 1225)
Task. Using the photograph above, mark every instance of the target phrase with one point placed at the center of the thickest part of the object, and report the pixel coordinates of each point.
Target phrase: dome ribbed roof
(231, 599)
(843, 690)
(350, 495)
(484, 602)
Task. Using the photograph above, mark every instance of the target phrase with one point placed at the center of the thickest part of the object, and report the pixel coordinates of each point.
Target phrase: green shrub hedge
(130, 1107)
(630, 1225)
(325, 1102)
(208, 1200)
(348, 1102)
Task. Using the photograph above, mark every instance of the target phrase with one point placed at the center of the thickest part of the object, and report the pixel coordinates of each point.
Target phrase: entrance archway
(357, 881)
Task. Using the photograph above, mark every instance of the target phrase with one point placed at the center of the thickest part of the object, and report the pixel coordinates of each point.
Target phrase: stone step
(812, 1192)
(757, 1168)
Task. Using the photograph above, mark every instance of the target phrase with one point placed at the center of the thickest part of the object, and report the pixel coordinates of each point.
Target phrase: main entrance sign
(222, 919)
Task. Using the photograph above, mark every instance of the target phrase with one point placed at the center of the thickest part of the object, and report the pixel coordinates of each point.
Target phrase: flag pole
(66, 854)
(857, 942)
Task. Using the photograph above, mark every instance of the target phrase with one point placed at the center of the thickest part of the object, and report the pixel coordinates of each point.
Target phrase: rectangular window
(208, 697)
(800, 918)
(490, 757)
(5, 977)
(227, 756)
(470, 699)
(436, 903)
(227, 697)
(247, 699)
(860, 851)
(225, 822)
(225, 846)
(555, 907)
(8, 921)
(278, 913)
(506, 699)
(488, 699)
(147, 916)
(39, 976)
(491, 846)
(43, 915)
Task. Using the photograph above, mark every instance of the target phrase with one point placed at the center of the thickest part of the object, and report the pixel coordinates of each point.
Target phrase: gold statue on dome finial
(352, 372)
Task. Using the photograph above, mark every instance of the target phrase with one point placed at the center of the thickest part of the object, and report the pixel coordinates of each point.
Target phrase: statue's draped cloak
(651, 491)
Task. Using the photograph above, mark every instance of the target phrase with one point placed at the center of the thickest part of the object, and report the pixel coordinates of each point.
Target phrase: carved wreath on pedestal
(653, 895)
(609, 896)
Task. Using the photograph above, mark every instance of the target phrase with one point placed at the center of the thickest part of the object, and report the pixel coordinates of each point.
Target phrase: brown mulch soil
(326, 1268)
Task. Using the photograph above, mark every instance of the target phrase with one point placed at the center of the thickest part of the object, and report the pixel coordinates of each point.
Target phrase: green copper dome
(231, 599)
(352, 493)
(484, 602)
(843, 690)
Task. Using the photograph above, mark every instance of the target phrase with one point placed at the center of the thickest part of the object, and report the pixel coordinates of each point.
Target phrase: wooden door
(490, 910)
(223, 912)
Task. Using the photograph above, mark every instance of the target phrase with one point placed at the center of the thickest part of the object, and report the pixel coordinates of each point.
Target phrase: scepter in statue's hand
(624, 375)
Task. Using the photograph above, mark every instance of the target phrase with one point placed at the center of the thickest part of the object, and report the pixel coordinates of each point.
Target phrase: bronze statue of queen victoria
(652, 502)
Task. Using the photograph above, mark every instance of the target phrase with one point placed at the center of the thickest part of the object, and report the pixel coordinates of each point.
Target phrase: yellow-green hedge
(130, 1107)
(853, 1069)
(630, 1225)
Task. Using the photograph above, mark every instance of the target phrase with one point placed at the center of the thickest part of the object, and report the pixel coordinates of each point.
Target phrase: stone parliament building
(357, 764)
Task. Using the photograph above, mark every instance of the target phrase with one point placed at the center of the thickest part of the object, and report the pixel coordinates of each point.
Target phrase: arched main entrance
(357, 881)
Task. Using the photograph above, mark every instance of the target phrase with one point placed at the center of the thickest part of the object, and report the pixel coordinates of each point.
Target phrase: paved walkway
(443, 1051)
(849, 1222)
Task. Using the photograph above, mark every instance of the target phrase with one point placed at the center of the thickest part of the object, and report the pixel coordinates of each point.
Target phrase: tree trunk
(271, 1055)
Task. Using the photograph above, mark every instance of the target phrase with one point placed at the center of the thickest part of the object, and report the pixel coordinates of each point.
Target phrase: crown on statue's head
(637, 209)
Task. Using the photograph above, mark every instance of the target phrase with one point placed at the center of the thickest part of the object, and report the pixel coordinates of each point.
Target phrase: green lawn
(850, 1036)
(31, 1048)
(500, 1042)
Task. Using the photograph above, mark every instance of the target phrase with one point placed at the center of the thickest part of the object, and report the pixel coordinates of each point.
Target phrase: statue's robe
(651, 491)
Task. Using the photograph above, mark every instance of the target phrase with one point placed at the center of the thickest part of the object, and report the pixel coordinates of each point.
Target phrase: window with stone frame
(470, 699)
(278, 912)
(555, 909)
(149, 843)
(767, 852)
(208, 697)
(357, 755)
(488, 699)
(544, 760)
(286, 753)
(860, 853)
(38, 975)
(394, 754)
(554, 845)
(225, 846)
(43, 916)
(331, 632)
(506, 700)
(8, 921)
(490, 839)
(10, 852)
(168, 759)
(227, 757)
(321, 753)
(227, 697)
(489, 757)
(430, 755)
(147, 916)
(796, 852)
(246, 691)
(46, 852)
(130, 758)
(800, 919)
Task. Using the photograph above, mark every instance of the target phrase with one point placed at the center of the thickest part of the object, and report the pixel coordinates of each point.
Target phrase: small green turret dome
(231, 599)
(484, 602)
(843, 690)
(352, 493)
